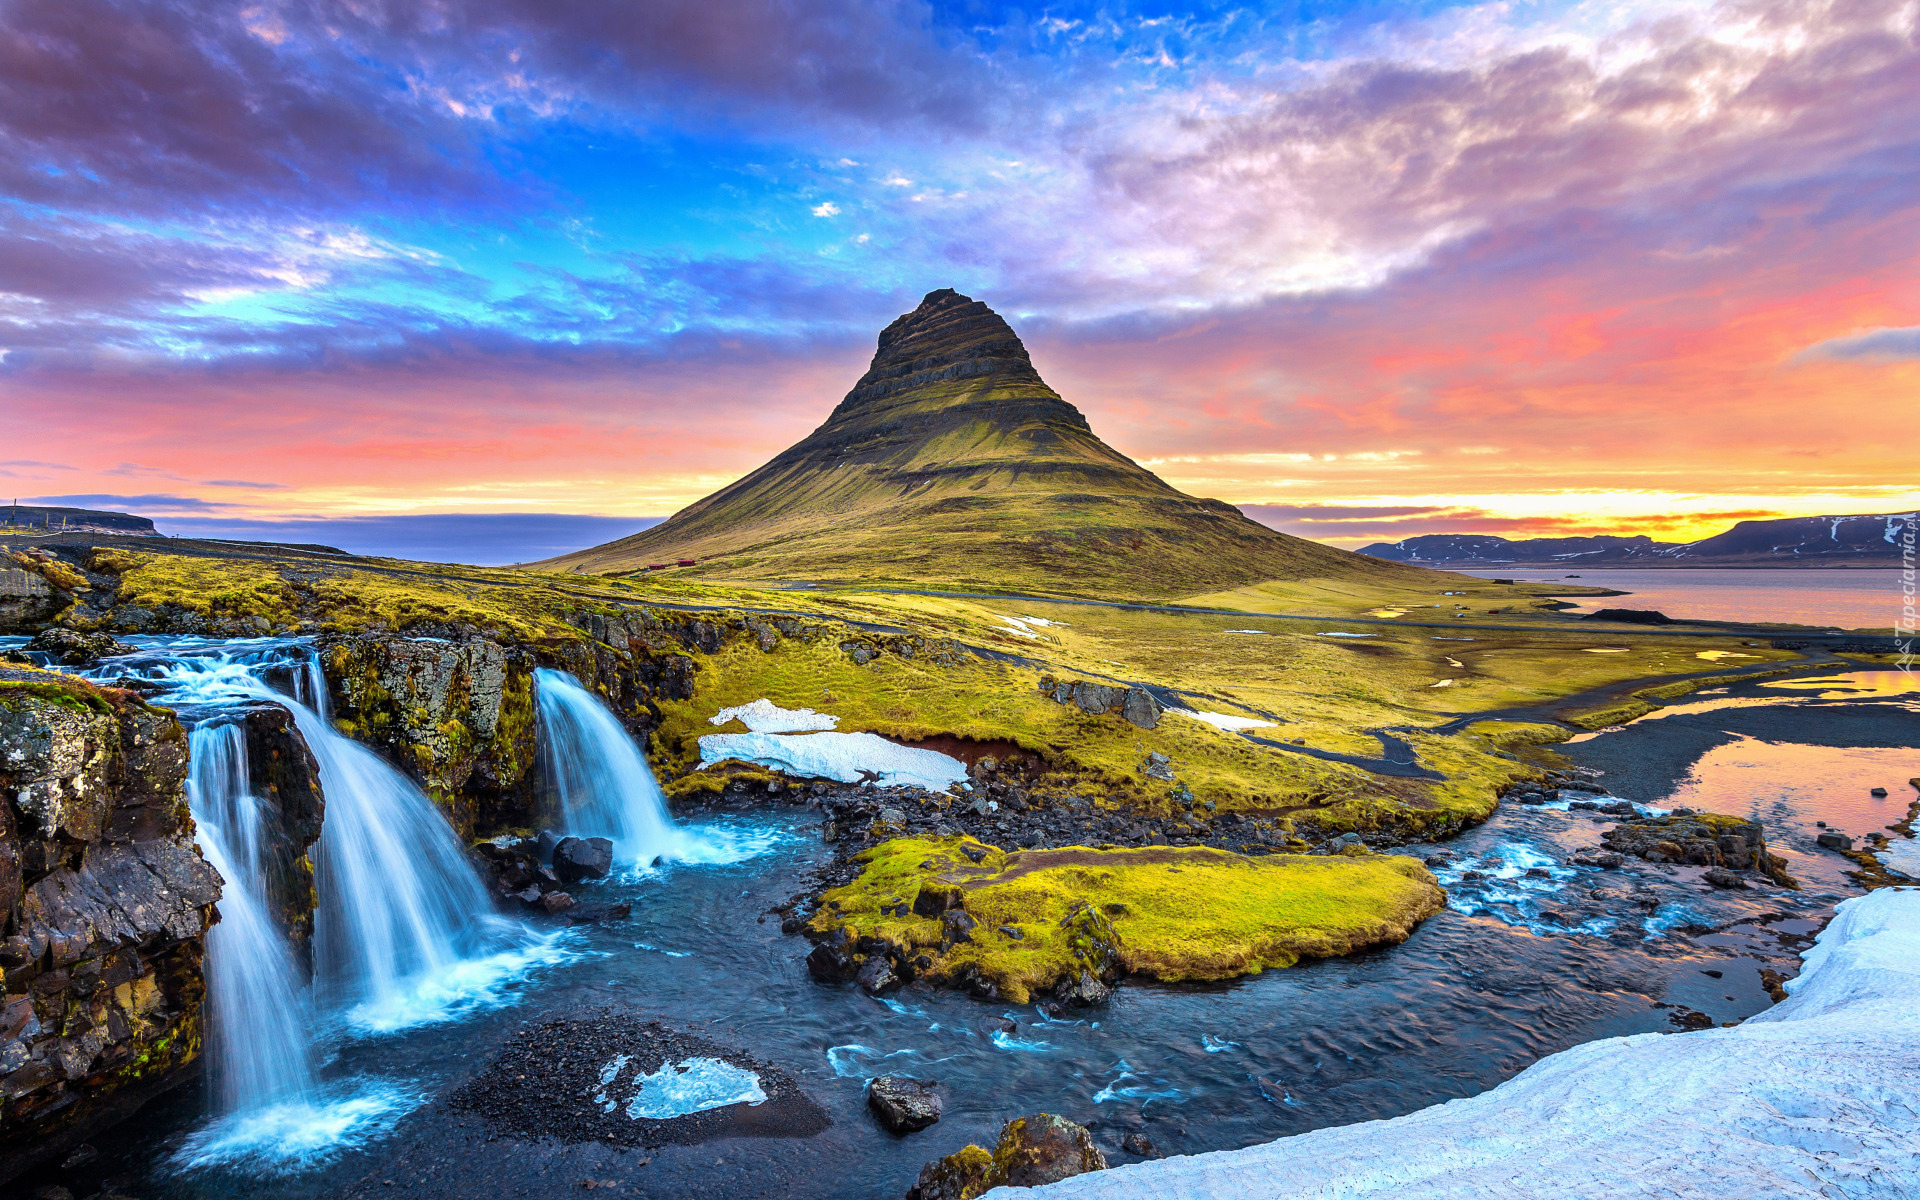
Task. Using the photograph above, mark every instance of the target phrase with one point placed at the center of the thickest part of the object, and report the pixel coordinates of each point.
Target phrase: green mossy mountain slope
(952, 463)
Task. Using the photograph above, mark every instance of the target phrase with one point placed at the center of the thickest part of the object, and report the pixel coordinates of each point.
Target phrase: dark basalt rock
(903, 1105)
(71, 648)
(1705, 840)
(1140, 1144)
(104, 904)
(282, 771)
(575, 858)
(1135, 704)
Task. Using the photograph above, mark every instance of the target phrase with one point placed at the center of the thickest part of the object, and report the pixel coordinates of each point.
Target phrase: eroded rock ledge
(106, 904)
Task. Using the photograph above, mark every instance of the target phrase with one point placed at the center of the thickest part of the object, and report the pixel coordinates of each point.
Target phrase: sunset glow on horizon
(1366, 271)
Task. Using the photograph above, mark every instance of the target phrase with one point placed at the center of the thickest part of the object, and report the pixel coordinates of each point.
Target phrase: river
(1521, 965)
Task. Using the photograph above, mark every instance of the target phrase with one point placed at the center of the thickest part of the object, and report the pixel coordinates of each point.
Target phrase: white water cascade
(258, 1041)
(604, 784)
(400, 905)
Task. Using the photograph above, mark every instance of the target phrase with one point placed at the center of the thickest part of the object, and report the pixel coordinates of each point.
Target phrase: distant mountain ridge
(1868, 538)
(951, 462)
(45, 518)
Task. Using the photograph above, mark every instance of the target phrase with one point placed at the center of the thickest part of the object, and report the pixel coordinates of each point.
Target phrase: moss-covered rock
(961, 913)
(1032, 1151)
(105, 902)
(1702, 840)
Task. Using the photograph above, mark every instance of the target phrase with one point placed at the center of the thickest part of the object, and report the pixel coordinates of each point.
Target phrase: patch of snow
(1812, 1098)
(1902, 855)
(1254, 631)
(691, 1086)
(845, 757)
(1609, 650)
(1042, 622)
(1225, 721)
(1438, 638)
(1442, 683)
(764, 716)
(1716, 655)
(1349, 635)
(1454, 662)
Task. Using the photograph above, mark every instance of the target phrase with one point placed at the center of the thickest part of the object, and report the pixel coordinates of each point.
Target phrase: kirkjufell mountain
(952, 462)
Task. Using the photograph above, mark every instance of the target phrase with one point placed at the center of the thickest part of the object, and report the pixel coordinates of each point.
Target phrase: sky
(1367, 270)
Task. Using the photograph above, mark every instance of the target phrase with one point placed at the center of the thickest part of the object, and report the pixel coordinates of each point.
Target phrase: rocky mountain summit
(952, 462)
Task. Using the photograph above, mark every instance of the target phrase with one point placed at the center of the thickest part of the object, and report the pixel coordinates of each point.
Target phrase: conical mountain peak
(952, 462)
(949, 336)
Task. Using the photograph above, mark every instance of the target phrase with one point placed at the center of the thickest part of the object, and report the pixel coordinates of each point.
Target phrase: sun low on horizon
(1364, 271)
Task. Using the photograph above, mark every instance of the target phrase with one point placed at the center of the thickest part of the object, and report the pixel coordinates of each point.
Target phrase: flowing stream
(1533, 955)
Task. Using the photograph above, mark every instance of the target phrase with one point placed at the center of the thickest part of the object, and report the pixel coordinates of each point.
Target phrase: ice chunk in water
(693, 1085)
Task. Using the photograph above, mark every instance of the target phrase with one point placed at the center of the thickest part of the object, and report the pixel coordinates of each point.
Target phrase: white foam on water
(844, 757)
(299, 1134)
(852, 1060)
(1214, 1045)
(1226, 721)
(693, 1085)
(461, 988)
(764, 716)
(657, 950)
(1125, 1085)
(1007, 1041)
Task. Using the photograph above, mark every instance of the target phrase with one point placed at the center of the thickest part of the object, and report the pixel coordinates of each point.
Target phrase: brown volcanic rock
(951, 462)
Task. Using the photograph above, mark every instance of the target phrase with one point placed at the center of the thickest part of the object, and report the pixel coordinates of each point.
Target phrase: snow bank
(1818, 1096)
(764, 716)
(847, 757)
(1226, 721)
(1902, 855)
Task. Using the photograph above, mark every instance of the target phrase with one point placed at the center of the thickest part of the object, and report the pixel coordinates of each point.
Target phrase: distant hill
(1867, 539)
(952, 463)
(37, 518)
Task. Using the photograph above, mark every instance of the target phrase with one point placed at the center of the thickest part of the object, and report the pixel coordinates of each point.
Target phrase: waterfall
(404, 931)
(257, 1011)
(399, 900)
(604, 784)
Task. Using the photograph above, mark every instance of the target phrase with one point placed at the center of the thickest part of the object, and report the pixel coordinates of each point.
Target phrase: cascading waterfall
(604, 785)
(400, 904)
(258, 1023)
(404, 934)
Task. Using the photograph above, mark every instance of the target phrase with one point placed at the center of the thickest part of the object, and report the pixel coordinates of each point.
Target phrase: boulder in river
(1702, 840)
(71, 648)
(576, 858)
(902, 1104)
(1032, 1151)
